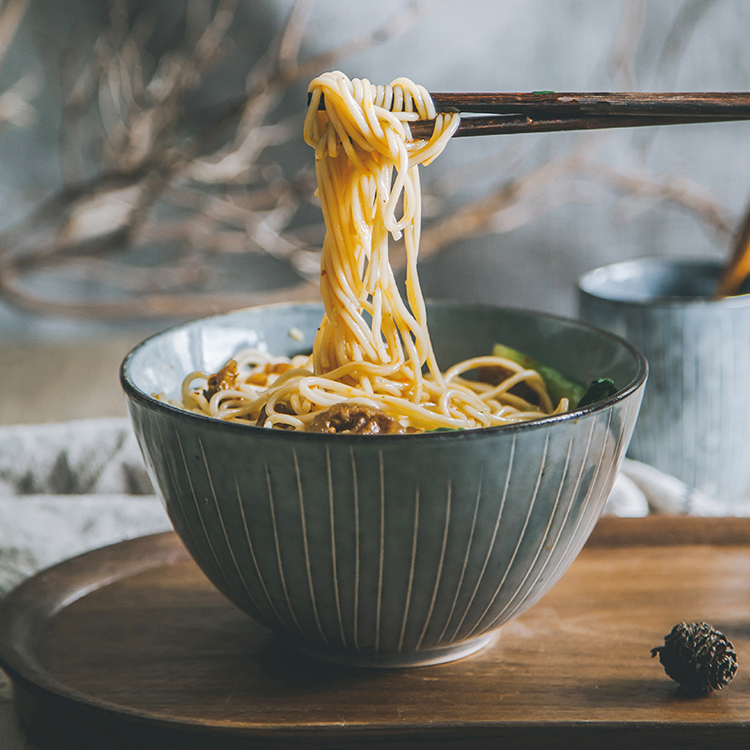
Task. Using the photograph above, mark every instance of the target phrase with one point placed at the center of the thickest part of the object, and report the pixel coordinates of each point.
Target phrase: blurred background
(153, 168)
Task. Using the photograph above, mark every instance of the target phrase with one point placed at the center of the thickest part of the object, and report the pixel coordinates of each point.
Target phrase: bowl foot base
(388, 659)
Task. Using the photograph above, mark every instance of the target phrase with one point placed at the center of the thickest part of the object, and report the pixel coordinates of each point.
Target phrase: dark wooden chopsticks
(507, 125)
(576, 104)
(545, 111)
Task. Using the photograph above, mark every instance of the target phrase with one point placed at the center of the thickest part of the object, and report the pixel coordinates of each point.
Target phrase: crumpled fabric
(86, 457)
(68, 488)
(641, 490)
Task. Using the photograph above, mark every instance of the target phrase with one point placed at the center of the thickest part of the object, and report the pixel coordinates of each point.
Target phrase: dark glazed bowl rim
(148, 401)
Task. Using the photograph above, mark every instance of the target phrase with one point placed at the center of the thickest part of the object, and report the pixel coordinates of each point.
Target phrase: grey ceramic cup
(695, 420)
(384, 550)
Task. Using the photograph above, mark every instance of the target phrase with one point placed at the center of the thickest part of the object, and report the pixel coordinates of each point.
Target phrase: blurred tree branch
(143, 179)
(144, 162)
(15, 102)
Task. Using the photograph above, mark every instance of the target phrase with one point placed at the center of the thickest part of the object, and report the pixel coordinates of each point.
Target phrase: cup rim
(589, 281)
(146, 399)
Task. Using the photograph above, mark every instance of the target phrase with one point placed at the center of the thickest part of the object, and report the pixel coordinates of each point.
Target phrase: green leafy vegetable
(558, 386)
(599, 389)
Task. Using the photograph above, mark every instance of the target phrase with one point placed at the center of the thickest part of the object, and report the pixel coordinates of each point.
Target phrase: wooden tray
(130, 647)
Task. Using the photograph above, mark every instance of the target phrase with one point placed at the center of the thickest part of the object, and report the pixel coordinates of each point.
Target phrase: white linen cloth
(68, 488)
(641, 490)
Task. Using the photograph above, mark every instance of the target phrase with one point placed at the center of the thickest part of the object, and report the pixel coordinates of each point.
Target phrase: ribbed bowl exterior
(384, 547)
(695, 421)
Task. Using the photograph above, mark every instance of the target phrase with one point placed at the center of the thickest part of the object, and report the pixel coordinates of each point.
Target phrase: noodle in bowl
(384, 550)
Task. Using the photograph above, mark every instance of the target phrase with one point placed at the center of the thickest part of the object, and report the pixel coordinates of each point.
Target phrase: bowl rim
(145, 399)
(587, 287)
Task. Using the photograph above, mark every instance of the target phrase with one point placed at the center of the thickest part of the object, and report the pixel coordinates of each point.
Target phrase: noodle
(373, 348)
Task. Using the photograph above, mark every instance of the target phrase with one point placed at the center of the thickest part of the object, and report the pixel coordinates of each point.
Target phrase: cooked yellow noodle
(372, 347)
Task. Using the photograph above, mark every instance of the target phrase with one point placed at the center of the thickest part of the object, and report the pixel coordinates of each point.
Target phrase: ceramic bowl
(695, 421)
(392, 550)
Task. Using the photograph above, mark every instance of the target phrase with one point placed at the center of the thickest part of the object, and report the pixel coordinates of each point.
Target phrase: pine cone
(700, 658)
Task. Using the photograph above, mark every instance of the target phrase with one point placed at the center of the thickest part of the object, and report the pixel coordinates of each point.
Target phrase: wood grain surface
(131, 647)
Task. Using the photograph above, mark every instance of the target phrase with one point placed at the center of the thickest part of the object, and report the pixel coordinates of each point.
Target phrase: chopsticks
(572, 104)
(546, 111)
(507, 125)
(738, 269)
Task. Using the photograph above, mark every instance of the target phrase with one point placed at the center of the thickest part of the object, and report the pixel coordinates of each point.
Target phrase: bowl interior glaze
(458, 331)
(655, 281)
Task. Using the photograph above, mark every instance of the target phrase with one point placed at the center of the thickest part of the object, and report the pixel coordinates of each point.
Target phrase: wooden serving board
(130, 647)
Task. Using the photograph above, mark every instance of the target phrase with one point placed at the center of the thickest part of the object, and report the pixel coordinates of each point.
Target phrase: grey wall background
(615, 199)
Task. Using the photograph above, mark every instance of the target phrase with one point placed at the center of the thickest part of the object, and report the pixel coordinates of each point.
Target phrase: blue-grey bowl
(390, 550)
(695, 421)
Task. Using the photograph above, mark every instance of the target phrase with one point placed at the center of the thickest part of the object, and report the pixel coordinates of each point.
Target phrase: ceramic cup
(384, 550)
(695, 420)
